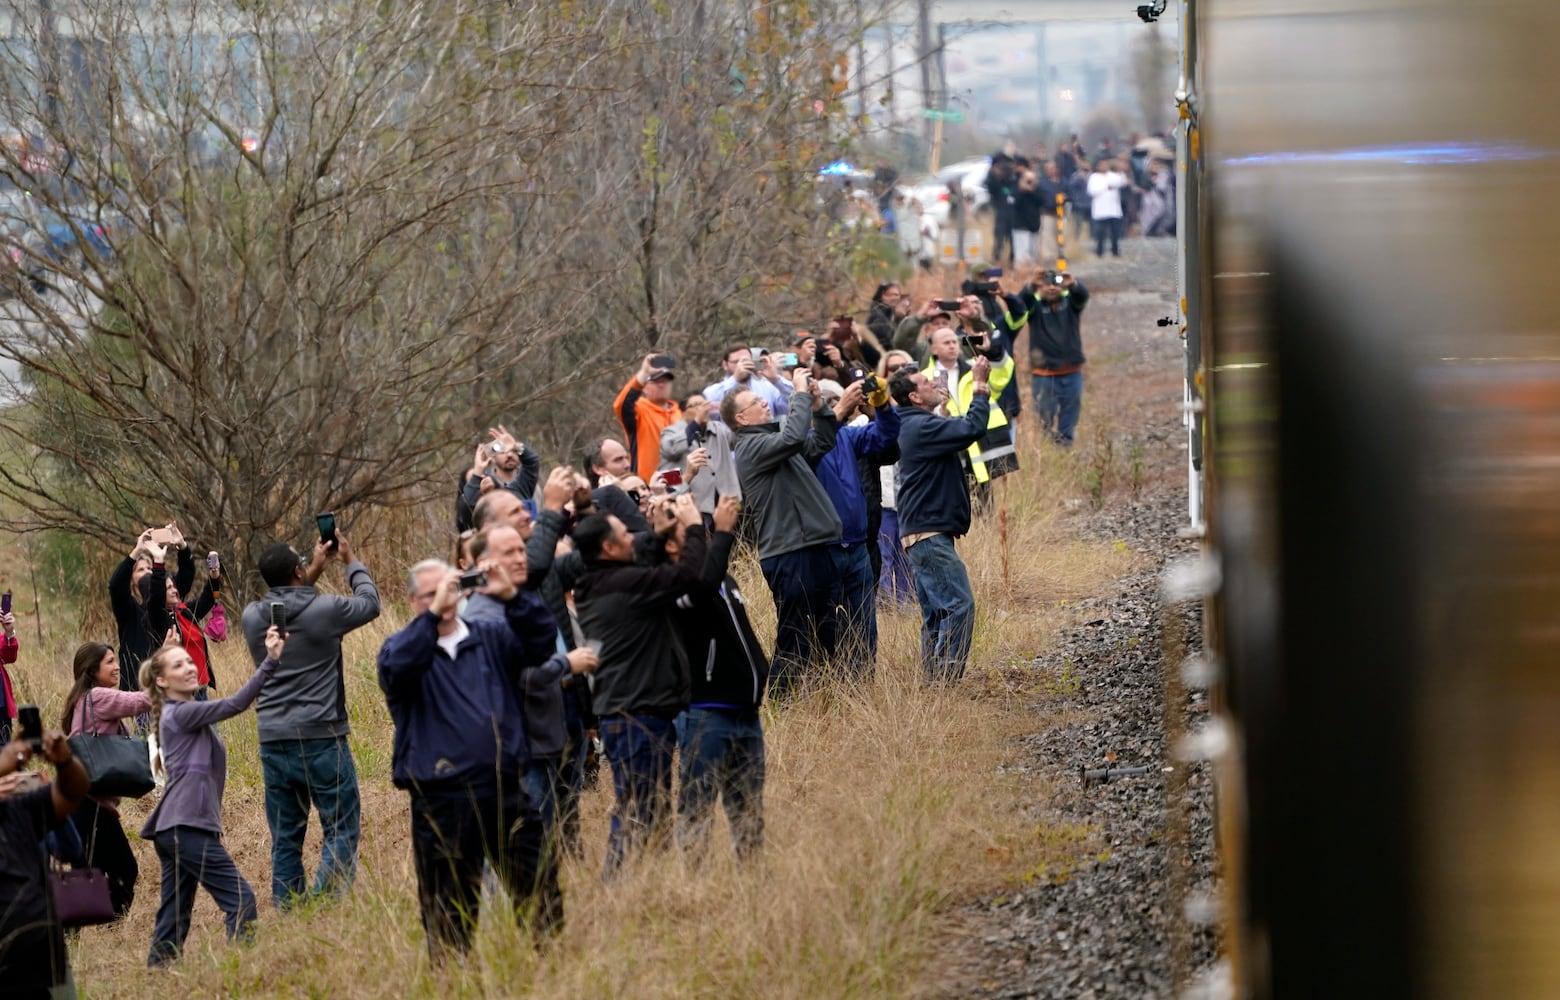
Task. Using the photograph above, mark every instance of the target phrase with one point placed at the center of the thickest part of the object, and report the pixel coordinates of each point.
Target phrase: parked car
(933, 194)
(39, 241)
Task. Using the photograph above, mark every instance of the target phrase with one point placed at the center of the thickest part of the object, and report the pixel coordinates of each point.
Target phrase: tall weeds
(885, 802)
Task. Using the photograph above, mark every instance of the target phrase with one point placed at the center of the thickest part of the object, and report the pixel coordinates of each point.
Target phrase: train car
(1374, 384)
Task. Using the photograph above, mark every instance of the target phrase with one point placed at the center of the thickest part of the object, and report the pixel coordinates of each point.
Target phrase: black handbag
(81, 896)
(118, 765)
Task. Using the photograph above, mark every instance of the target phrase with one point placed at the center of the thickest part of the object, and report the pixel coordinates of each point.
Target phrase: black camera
(1148, 13)
(473, 579)
(987, 287)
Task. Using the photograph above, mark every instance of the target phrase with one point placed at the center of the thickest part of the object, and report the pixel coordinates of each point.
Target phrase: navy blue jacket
(840, 473)
(932, 494)
(458, 724)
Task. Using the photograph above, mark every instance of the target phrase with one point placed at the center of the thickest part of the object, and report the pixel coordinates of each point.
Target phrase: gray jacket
(307, 698)
(719, 478)
(541, 701)
(790, 509)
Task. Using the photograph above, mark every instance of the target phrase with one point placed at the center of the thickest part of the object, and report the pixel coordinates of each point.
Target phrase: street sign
(943, 116)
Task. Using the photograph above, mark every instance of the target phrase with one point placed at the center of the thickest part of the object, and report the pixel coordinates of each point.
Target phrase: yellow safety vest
(959, 404)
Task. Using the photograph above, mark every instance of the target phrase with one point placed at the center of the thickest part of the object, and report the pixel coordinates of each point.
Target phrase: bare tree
(277, 258)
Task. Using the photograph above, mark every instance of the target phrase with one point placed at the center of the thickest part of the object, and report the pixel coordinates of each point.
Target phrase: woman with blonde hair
(186, 826)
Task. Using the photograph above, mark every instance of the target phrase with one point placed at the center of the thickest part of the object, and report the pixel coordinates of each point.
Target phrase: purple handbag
(81, 896)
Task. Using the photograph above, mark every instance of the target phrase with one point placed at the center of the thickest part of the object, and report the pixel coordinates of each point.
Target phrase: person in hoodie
(453, 688)
(304, 757)
(839, 472)
(721, 745)
(642, 684)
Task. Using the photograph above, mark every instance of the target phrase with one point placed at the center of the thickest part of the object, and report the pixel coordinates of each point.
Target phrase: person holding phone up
(138, 635)
(10, 647)
(186, 825)
(304, 757)
(33, 959)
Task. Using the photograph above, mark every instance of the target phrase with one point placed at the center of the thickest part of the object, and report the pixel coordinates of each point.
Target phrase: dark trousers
(452, 835)
(721, 753)
(1107, 229)
(108, 848)
(571, 774)
(194, 858)
(854, 586)
(640, 748)
(805, 627)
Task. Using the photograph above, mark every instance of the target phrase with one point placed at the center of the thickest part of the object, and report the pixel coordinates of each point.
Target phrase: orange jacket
(643, 422)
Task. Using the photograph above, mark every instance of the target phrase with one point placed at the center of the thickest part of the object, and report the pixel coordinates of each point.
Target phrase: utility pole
(923, 46)
(861, 65)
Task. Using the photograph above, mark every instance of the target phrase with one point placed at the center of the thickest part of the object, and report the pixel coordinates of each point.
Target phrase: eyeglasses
(751, 403)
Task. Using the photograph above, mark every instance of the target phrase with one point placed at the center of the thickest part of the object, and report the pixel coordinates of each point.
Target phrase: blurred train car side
(1383, 347)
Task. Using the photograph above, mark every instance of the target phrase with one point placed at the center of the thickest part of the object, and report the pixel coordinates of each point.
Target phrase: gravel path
(1113, 924)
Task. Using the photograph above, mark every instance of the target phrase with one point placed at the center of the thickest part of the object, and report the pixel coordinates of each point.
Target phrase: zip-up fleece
(627, 608)
(790, 509)
(728, 664)
(457, 720)
(308, 699)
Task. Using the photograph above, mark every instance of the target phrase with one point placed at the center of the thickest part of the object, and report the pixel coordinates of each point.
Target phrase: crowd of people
(1109, 193)
(583, 614)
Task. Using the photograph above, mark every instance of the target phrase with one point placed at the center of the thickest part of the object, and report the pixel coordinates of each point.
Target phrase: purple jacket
(195, 759)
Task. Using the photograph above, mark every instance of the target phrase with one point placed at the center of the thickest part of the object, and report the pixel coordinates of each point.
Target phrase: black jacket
(522, 486)
(728, 664)
(136, 639)
(933, 494)
(627, 608)
(1055, 332)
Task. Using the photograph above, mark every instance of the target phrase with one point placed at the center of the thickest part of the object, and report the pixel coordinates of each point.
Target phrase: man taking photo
(304, 757)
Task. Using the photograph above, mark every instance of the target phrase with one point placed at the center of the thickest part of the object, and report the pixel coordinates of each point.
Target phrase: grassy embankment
(884, 805)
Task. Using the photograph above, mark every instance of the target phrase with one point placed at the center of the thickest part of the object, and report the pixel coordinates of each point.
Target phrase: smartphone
(162, 536)
(665, 361)
(788, 359)
(757, 353)
(279, 616)
(672, 477)
(5, 603)
(1058, 279)
(30, 724)
(473, 579)
(993, 272)
(213, 562)
(530, 507)
(949, 305)
(327, 526)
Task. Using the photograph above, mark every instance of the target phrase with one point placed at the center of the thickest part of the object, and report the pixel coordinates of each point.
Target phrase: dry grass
(884, 804)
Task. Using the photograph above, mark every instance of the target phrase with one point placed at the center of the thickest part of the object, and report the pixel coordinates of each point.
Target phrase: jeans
(452, 835)
(805, 627)
(1107, 229)
(192, 857)
(894, 582)
(640, 748)
(299, 773)
(942, 585)
(1058, 399)
(721, 752)
(856, 613)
